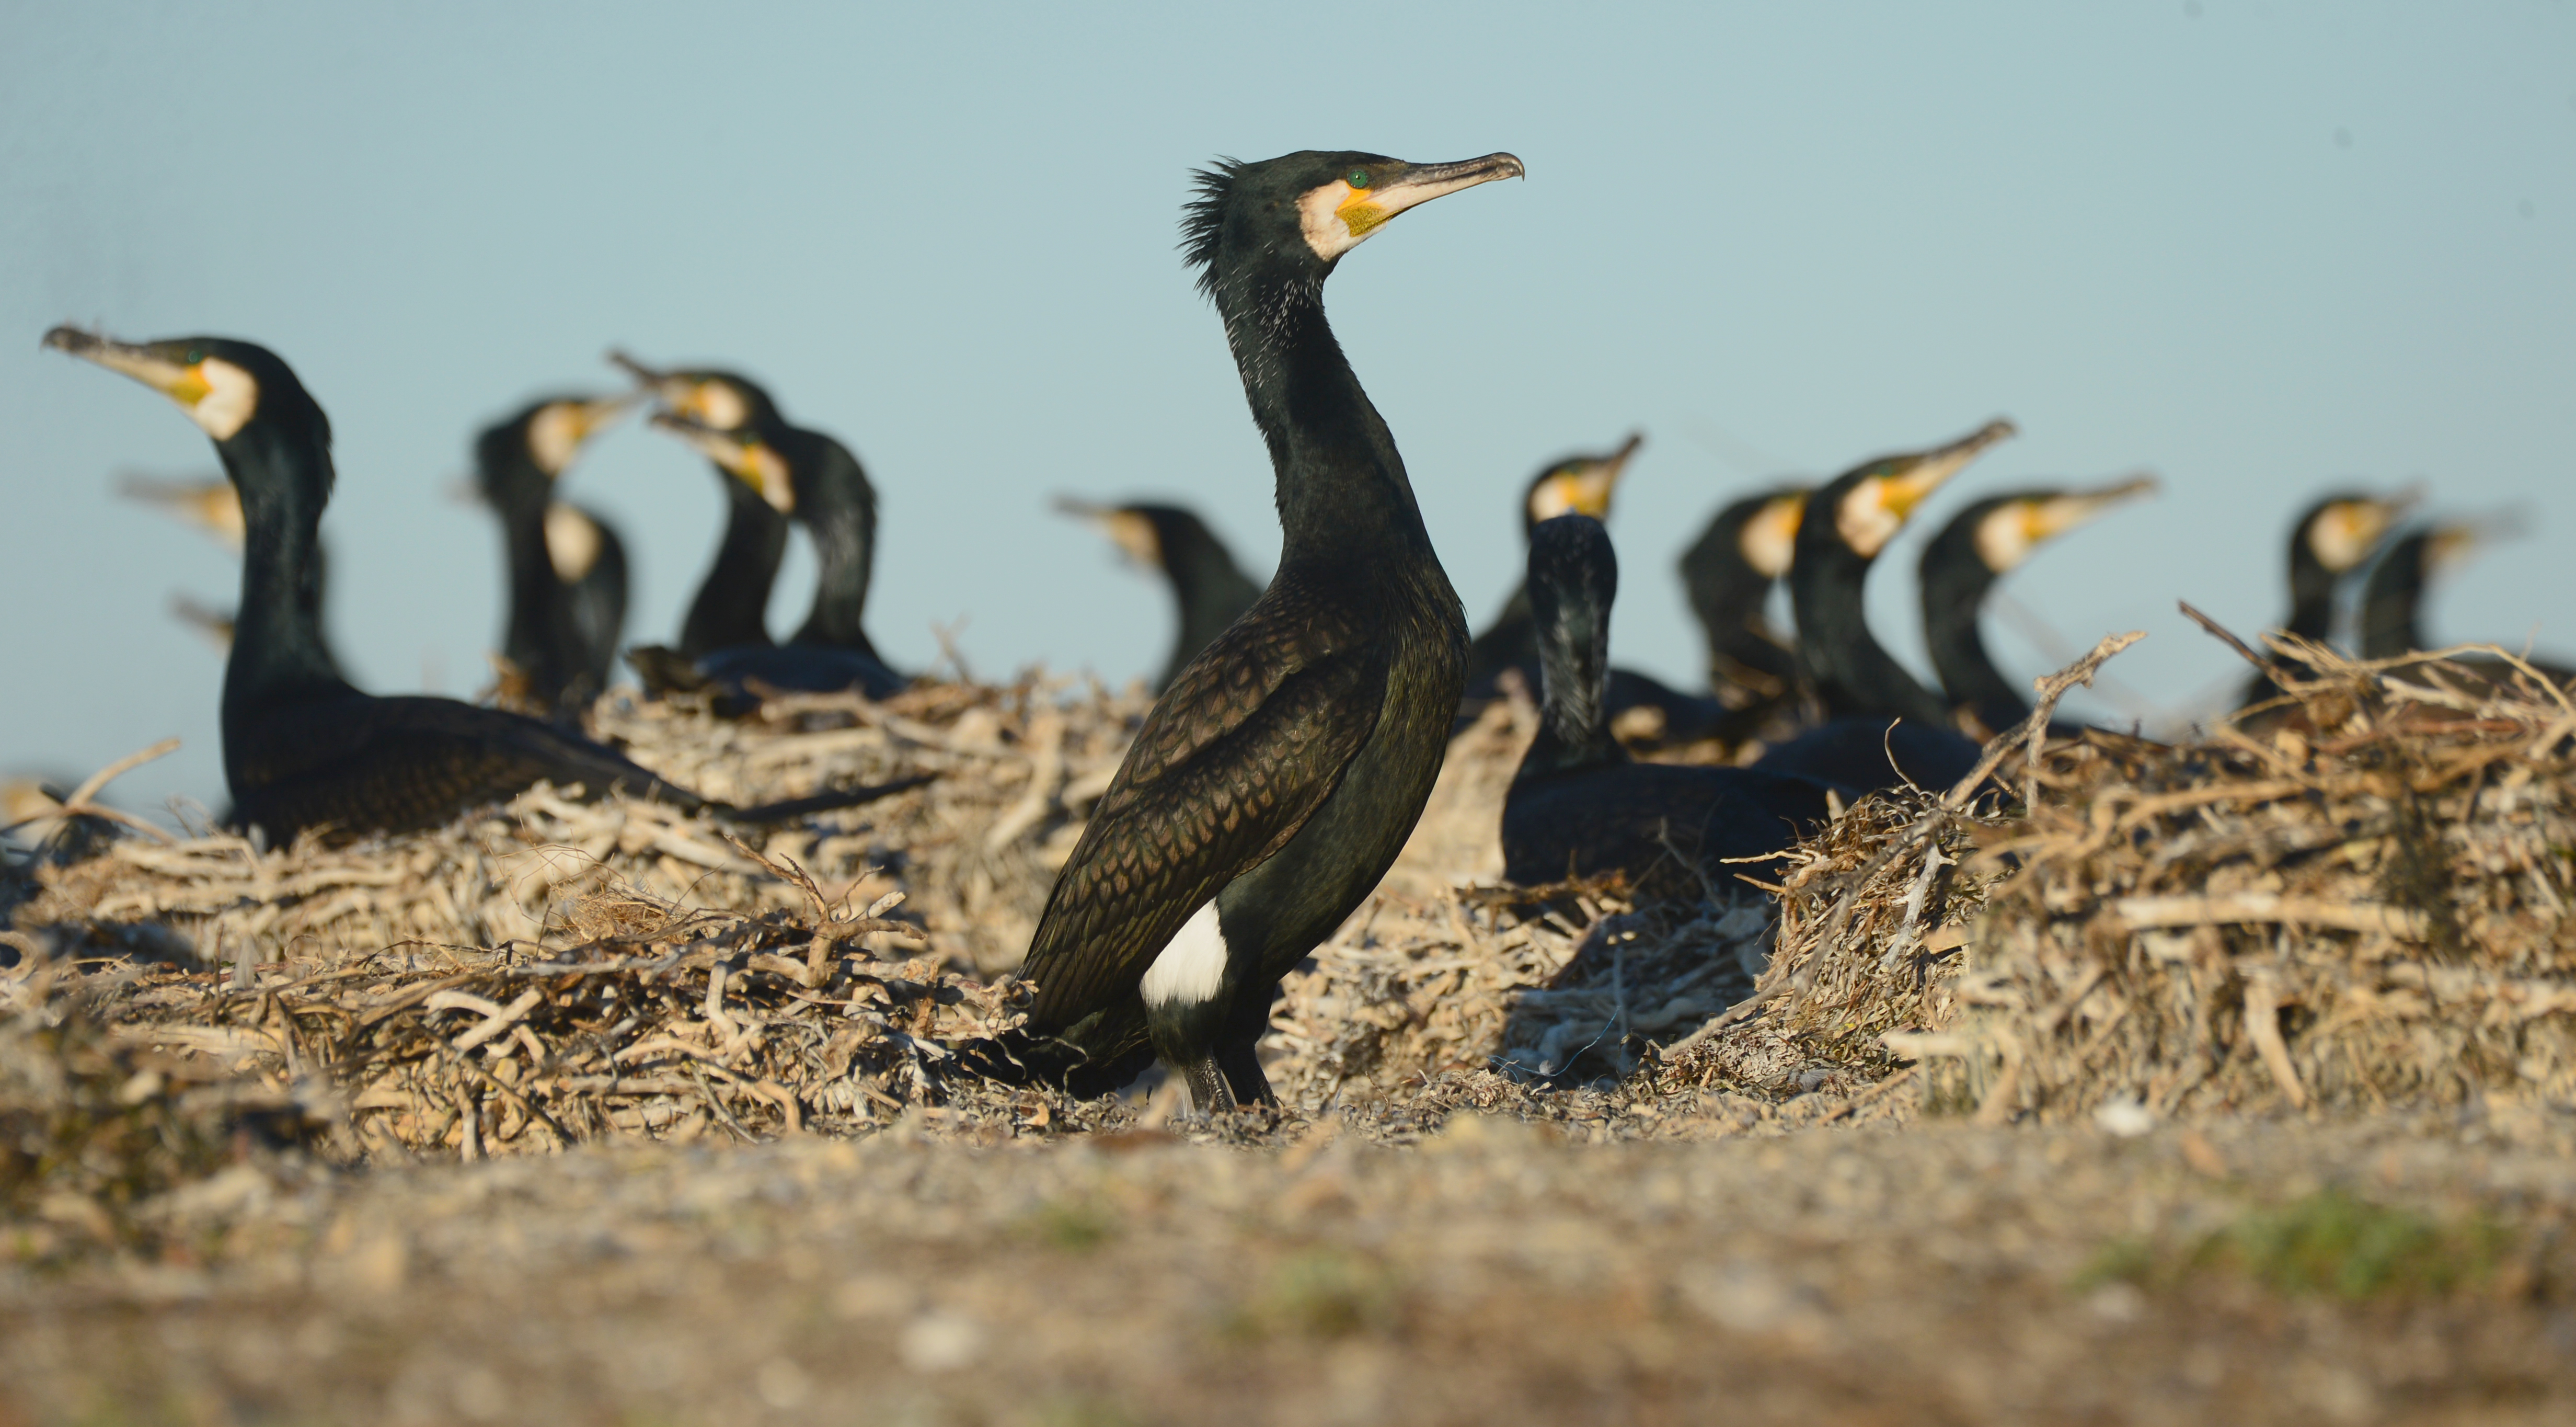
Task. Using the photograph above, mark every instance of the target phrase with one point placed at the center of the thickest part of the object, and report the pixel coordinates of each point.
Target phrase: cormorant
(1858, 685)
(1579, 806)
(302, 748)
(214, 507)
(1576, 485)
(829, 492)
(2392, 598)
(1273, 784)
(1209, 591)
(567, 568)
(1979, 545)
(732, 604)
(1729, 572)
(2331, 540)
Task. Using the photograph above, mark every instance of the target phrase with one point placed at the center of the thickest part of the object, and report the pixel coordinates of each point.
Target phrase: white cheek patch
(1192, 964)
(1552, 499)
(1771, 537)
(769, 472)
(2344, 535)
(1865, 522)
(554, 437)
(2006, 537)
(1319, 218)
(572, 543)
(721, 407)
(231, 399)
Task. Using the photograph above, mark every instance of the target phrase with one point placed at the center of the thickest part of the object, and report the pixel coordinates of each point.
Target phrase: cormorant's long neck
(1574, 694)
(518, 496)
(2312, 588)
(1343, 497)
(729, 610)
(2391, 602)
(1727, 595)
(1955, 582)
(278, 654)
(1852, 673)
(843, 521)
(1209, 590)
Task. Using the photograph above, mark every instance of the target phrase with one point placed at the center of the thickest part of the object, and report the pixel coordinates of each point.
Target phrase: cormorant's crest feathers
(1203, 217)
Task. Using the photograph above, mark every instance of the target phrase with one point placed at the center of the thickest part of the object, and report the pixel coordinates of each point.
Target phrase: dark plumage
(1209, 591)
(2392, 600)
(731, 609)
(1579, 806)
(1728, 574)
(2332, 538)
(302, 749)
(1962, 563)
(1273, 784)
(567, 568)
(214, 507)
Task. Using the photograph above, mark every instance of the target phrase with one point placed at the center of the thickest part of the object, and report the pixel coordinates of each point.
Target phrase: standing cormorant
(1979, 545)
(1209, 591)
(1579, 806)
(567, 568)
(1729, 572)
(2332, 539)
(826, 489)
(1273, 784)
(302, 748)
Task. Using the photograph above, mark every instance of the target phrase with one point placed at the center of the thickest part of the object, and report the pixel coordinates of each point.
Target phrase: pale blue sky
(2259, 248)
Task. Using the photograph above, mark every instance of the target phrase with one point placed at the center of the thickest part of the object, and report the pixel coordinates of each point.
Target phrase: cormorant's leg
(1243, 1074)
(1209, 1093)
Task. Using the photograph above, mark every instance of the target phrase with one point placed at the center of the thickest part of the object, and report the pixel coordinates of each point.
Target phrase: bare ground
(1650, 1265)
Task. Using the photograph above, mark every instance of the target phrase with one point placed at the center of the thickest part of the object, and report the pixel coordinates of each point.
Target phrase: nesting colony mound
(2366, 906)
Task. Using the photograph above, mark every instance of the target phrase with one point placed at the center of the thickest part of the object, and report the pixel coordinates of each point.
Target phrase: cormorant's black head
(1294, 216)
(746, 455)
(541, 440)
(1146, 533)
(210, 505)
(1573, 580)
(1577, 485)
(724, 401)
(232, 390)
(1869, 503)
(2003, 530)
(2337, 534)
(1768, 536)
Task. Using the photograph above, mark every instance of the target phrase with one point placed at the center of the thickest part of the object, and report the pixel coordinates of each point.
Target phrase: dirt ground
(1651, 1265)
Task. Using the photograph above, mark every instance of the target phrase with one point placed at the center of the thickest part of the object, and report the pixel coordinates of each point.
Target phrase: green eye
(1359, 178)
(195, 355)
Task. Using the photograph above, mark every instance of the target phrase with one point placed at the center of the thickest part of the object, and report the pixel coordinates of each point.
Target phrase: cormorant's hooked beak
(1132, 531)
(212, 506)
(2008, 535)
(712, 402)
(739, 454)
(217, 395)
(1583, 487)
(1770, 539)
(1878, 507)
(1338, 216)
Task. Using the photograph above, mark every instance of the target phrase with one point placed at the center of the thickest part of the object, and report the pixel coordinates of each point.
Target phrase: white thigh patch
(1191, 965)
